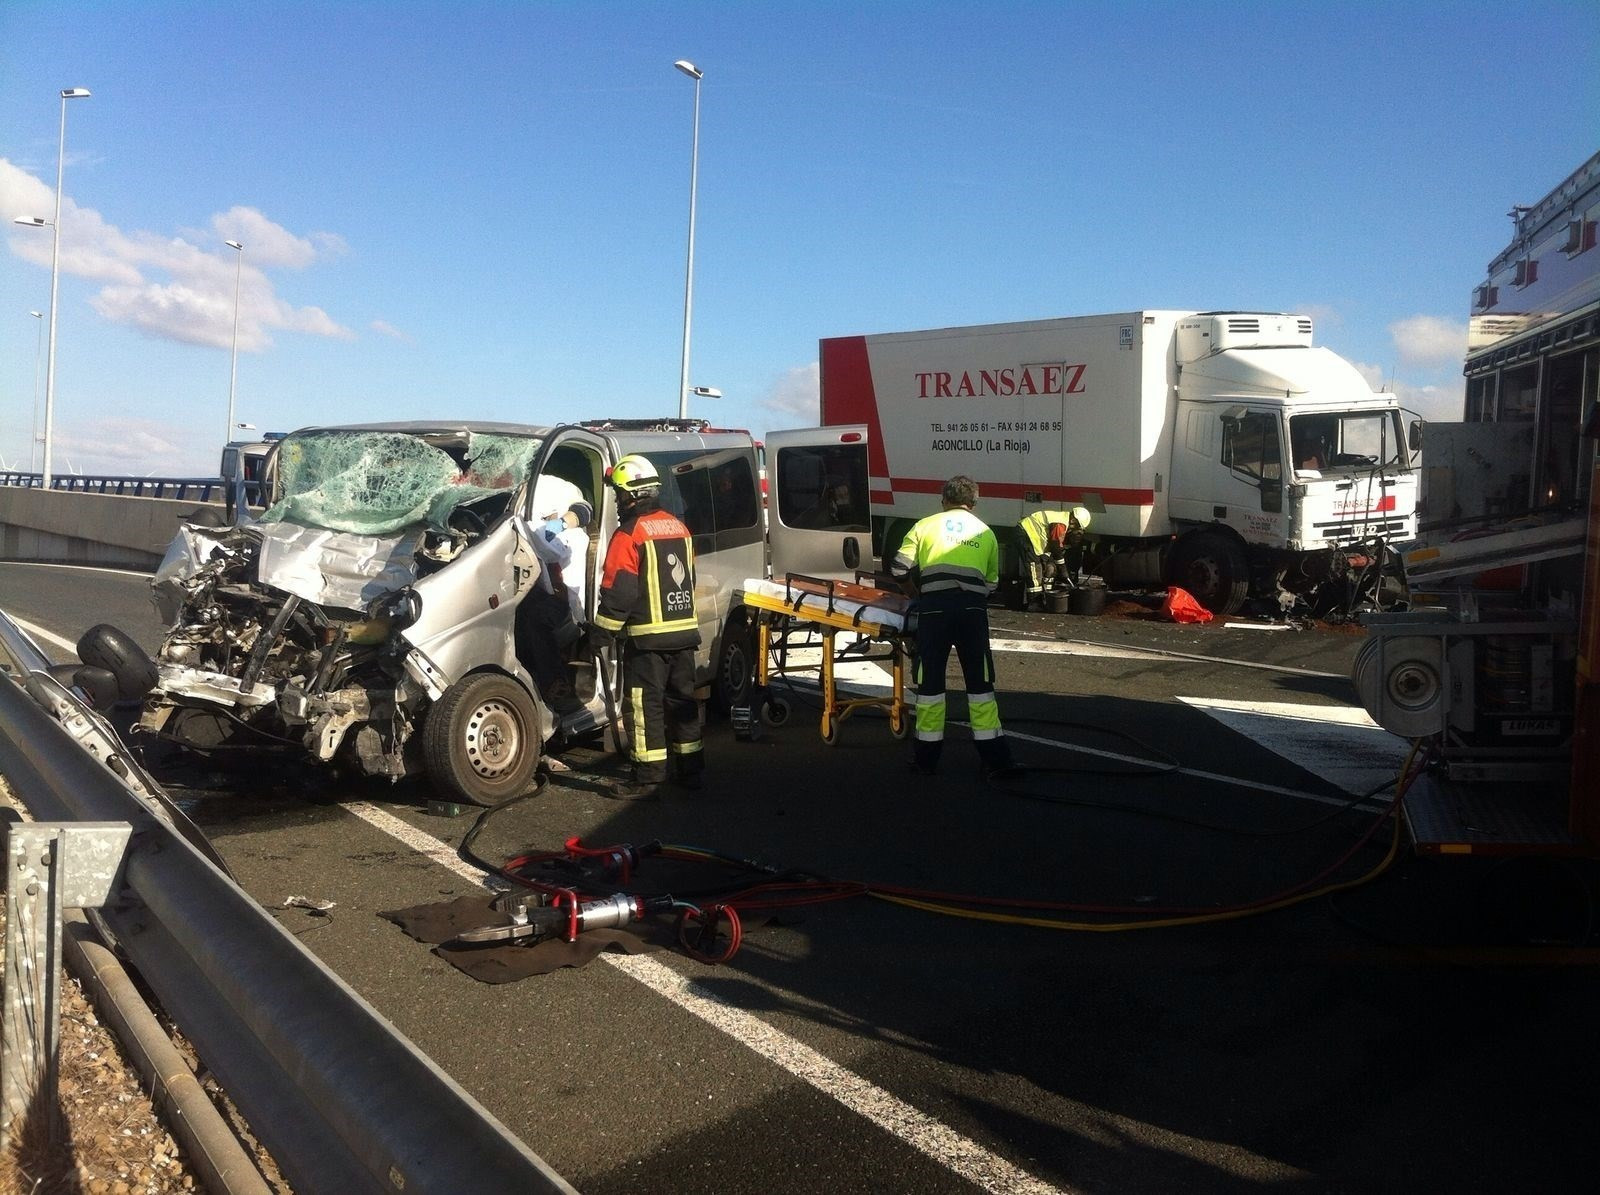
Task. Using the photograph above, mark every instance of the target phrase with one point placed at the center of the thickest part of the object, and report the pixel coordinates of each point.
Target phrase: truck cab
(1282, 446)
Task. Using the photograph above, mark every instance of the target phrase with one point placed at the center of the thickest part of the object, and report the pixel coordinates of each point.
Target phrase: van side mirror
(1414, 436)
(852, 552)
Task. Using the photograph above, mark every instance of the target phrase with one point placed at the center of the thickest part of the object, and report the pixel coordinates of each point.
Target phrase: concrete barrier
(66, 527)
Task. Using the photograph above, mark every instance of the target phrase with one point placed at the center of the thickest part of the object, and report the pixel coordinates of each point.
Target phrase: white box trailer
(1220, 451)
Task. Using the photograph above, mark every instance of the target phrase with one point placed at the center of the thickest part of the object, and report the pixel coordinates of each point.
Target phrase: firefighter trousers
(661, 714)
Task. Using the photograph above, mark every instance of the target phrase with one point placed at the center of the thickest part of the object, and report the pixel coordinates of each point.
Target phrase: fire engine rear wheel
(1214, 569)
(481, 740)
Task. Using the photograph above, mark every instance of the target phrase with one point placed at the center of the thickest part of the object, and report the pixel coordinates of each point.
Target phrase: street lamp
(71, 93)
(38, 351)
(233, 369)
(696, 74)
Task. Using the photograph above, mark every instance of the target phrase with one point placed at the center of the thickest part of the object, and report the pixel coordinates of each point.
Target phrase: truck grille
(1359, 527)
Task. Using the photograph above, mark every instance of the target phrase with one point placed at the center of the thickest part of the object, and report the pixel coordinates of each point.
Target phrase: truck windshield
(1347, 441)
(376, 483)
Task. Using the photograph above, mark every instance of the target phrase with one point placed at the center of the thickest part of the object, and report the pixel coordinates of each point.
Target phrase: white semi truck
(1218, 450)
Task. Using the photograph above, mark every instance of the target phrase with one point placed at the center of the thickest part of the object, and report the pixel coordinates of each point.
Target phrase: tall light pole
(38, 352)
(71, 93)
(696, 74)
(233, 369)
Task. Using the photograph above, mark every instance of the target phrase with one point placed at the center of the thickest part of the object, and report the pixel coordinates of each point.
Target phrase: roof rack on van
(647, 425)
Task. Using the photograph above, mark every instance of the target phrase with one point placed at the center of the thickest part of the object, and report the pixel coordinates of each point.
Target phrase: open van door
(817, 501)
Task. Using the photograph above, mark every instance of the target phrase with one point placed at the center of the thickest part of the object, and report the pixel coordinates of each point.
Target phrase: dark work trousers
(660, 713)
(959, 620)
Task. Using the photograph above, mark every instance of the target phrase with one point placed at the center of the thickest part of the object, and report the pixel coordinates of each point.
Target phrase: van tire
(104, 646)
(1213, 568)
(734, 674)
(481, 740)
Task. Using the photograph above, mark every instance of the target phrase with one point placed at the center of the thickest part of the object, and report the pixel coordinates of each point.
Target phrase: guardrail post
(50, 867)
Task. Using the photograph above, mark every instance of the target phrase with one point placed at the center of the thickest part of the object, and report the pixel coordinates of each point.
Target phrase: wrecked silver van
(374, 615)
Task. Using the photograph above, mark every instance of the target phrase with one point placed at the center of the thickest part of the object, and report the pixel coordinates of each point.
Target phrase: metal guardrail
(199, 489)
(342, 1102)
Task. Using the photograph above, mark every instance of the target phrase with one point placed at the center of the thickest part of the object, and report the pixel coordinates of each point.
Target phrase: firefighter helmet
(635, 476)
(1080, 516)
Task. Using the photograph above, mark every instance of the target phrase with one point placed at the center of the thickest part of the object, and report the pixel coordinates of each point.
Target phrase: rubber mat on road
(437, 924)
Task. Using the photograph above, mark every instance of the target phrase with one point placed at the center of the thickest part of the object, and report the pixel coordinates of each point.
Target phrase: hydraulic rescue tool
(567, 892)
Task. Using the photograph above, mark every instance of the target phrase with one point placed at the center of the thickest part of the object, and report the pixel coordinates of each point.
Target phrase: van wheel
(734, 676)
(481, 740)
(1213, 568)
(104, 646)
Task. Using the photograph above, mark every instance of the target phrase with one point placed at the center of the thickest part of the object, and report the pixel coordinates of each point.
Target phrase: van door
(817, 500)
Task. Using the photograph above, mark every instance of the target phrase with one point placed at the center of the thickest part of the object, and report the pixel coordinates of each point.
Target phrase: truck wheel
(481, 740)
(1213, 568)
(734, 676)
(104, 646)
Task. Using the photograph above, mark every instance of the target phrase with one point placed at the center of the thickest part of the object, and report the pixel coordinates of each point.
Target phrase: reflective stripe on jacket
(647, 587)
(952, 550)
(1037, 528)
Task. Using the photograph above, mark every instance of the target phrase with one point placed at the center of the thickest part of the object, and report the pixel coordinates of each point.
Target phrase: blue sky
(480, 209)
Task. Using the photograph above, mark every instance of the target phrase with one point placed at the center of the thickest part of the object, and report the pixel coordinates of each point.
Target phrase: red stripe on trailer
(848, 395)
(1021, 490)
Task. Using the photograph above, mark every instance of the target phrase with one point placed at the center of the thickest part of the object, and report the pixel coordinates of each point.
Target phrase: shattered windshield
(375, 483)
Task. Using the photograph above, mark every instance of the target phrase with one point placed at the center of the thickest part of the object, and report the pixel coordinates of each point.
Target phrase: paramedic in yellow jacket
(952, 561)
(1052, 551)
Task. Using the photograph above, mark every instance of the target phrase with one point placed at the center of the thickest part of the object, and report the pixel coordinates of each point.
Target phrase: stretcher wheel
(908, 723)
(830, 732)
(775, 711)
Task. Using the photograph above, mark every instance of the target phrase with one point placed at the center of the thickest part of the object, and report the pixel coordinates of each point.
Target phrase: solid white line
(38, 632)
(1197, 773)
(143, 574)
(937, 1141)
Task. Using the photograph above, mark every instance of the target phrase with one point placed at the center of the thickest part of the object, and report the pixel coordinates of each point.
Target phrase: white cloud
(1429, 340)
(1437, 402)
(796, 392)
(385, 328)
(133, 447)
(194, 300)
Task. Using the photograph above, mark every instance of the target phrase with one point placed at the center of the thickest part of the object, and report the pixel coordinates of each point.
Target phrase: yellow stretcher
(800, 603)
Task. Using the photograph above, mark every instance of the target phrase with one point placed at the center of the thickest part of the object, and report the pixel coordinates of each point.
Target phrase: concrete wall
(63, 527)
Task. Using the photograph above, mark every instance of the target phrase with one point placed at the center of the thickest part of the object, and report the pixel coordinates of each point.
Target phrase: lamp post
(233, 368)
(696, 74)
(38, 353)
(71, 93)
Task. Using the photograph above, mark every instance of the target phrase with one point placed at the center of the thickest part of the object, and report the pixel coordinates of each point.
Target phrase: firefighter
(1052, 551)
(951, 562)
(646, 604)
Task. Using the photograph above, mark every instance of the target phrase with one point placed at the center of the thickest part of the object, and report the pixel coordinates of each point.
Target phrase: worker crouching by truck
(646, 605)
(1051, 543)
(950, 561)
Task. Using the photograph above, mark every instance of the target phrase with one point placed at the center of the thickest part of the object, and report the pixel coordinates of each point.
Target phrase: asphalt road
(1384, 1038)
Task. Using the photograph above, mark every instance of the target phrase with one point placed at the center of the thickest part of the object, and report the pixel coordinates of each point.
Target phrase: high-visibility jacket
(953, 551)
(1037, 528)
(647, 586)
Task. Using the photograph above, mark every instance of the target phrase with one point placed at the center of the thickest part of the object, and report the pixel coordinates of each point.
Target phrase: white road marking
(85, 568)
(937, 1141)
(1339, 743)
(1063, 647)
(38, 632)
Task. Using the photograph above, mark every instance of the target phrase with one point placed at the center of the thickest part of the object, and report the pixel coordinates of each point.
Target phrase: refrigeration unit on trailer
(1220, 451)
